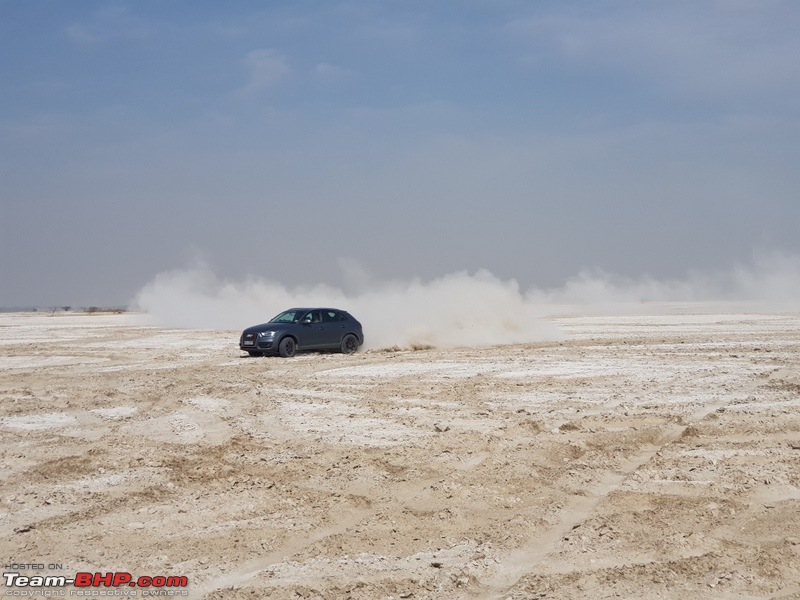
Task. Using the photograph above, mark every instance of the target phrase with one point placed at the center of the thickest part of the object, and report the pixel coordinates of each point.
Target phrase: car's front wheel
(349, 344)
(287, 347)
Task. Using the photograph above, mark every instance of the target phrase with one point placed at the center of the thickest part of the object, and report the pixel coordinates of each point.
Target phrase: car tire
(349, 344)
(287, 347)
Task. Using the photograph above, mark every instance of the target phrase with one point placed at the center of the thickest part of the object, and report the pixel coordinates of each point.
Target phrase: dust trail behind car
(464, 309)
(457, 309)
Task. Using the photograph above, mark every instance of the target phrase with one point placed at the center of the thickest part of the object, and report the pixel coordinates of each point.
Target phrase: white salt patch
(208, 404)
(570, 369)
(185, 427)
(749, 406)
(343, 423)
(163, 340)
(34, 422)
(366, 565)
(116, 413)
(322, 394)
(97, 484)
(33, 362)
(721, 454)
(142, 366)
(199, 427)
(441, 369)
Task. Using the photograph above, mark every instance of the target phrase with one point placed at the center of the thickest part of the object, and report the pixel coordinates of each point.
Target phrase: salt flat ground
(641, 457)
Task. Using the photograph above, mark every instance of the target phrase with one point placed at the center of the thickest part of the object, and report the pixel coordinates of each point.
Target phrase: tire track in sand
(244, 572)
(347, 519)
(527, 558)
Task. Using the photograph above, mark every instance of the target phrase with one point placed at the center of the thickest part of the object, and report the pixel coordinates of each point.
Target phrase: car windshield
(288, 316)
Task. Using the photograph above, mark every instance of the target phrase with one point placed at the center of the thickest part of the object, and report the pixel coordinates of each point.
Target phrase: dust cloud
(770, 283)
(457, 309)
(465, 308)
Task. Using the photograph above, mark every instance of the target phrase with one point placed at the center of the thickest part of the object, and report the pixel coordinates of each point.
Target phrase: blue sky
(275, 139)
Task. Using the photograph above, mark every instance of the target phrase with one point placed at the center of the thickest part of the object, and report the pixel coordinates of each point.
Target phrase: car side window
(330, 316)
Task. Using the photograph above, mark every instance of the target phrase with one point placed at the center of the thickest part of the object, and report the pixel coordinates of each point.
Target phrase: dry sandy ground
(642, 457)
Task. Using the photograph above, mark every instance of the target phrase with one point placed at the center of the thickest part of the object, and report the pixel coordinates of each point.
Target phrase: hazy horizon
(466, 308)
(768, 278)
(647, 143)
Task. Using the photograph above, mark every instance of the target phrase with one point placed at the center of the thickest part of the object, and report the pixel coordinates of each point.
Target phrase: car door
(312, 331)
(333, 328)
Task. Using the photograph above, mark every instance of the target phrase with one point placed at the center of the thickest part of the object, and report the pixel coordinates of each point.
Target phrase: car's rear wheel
(349, 344)
(287, 347)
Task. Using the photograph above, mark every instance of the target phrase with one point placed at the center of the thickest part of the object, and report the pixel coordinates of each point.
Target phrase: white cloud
(331, 73)
(109, 23)
(266, 69)
(80, 34)
(690, 49)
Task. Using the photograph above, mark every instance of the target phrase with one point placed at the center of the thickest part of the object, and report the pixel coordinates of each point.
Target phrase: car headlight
(267, 334)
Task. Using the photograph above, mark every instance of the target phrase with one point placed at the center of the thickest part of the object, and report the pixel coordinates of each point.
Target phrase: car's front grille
(248, 339)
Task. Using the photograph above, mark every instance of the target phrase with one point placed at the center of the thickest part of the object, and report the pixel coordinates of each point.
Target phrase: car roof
(315, 308)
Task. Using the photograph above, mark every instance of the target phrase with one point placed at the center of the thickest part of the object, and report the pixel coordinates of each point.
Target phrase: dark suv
(304, 329)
